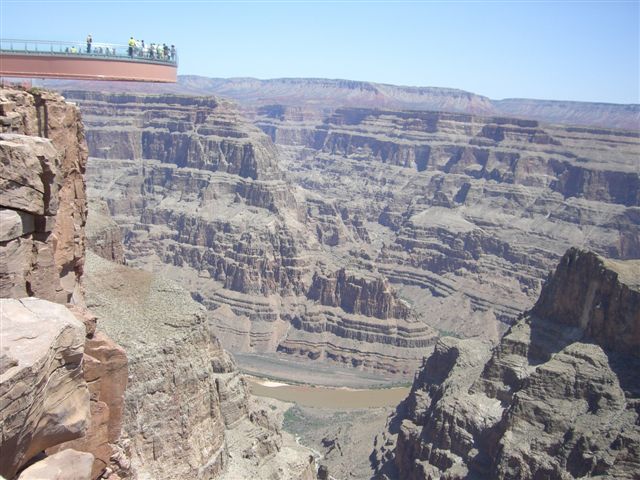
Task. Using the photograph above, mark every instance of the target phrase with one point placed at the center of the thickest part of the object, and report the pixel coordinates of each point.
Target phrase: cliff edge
(62, 382)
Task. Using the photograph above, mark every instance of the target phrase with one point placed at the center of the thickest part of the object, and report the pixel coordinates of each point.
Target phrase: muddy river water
(328, 397)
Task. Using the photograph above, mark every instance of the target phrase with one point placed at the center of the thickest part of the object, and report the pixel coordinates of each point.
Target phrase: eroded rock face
(185, 398)
(43, 155)
(44, 396)
(371, 297)
(42, 241)
(462, 215)
(240, 243)
(557, 398)
(105, 367)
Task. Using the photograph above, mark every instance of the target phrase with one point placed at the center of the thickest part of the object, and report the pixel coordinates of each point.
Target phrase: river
(328, 397)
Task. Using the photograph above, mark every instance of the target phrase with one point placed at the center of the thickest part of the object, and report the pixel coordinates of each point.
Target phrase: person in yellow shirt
(132, 44)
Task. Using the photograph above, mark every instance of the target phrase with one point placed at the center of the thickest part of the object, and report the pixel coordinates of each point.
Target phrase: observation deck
(71, 60)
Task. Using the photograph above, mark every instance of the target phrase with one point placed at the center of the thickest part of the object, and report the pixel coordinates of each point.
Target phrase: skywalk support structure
(43, 59)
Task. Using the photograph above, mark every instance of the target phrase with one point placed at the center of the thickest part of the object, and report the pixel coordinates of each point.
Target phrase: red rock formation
(44, 399)
(47, 173)
(43, 210)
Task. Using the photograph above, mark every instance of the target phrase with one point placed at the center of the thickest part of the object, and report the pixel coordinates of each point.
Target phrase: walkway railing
(79, 49)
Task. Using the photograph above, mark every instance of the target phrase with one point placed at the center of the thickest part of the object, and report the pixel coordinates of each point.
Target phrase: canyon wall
(464, 215)
(557, 398)
(458, 216)
(62, 382)
(44, 209)
(64, 411)
(199, 196)
(187, 412)
(323, 96)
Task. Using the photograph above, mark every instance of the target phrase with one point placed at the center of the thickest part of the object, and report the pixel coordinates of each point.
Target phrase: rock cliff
(557, 398)
(231, 228)
(62, 383)
(463, 214)
(187, 412)
(45, 400)
(43, 154)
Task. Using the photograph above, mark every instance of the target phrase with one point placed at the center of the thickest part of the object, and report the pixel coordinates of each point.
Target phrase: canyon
(165, 400)
(323, 231)
(360, 236)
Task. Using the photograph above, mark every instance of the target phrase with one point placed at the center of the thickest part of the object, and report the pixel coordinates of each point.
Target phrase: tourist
(89, 42)
(132, 44)
(173, 53)
(145, 50)
(74, 49)
(152, 50)
(165, 51)
(159, 51)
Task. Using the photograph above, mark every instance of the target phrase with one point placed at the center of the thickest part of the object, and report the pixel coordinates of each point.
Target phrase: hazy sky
(567, 50)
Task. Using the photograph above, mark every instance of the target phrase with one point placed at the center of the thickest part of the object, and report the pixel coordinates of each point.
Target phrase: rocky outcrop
(105, 366)
(587, 292)
(43, 155)
(43, 211)
(195, 419)
(370, 297)
(558, 397)
(44, 397)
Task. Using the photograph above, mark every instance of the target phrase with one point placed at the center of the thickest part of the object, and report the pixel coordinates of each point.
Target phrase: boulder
(44, 398)
(65, 465)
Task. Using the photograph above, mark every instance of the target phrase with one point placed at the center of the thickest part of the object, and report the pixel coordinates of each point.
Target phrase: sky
(561, 50)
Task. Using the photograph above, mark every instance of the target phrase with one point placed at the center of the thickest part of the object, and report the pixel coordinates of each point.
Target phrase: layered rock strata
(188, 412)
(557, 398)
(42, 240)
(198, 195)
(463, 214)
(319, 96)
